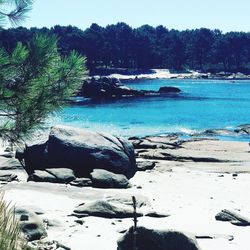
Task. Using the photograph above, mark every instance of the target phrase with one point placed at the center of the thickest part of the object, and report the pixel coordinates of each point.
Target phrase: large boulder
(148, 239)
(82, 151)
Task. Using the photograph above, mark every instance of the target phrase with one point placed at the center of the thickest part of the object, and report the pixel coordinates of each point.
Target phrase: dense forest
(122, 46)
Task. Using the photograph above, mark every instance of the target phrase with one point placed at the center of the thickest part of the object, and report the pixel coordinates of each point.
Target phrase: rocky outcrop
(148, 239)
(99, 87)
(191, 150)
(107, 87)
(82, 151)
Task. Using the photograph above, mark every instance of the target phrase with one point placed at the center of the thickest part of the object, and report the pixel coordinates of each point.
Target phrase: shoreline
(191, 181)
(166, 74)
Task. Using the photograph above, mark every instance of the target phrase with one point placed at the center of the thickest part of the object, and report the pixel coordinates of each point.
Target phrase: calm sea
(202, 104)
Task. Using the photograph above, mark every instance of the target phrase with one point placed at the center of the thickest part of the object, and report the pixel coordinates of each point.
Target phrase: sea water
(201, 105)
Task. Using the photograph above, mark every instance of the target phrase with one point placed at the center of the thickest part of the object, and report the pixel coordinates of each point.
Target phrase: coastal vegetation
(35, 79)
(121, 46)
(10, 233)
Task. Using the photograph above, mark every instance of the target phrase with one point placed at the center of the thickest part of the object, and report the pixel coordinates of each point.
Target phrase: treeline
(121, 46)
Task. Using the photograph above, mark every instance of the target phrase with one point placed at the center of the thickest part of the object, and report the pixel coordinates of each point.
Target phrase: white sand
(158, 74)
(192, 193)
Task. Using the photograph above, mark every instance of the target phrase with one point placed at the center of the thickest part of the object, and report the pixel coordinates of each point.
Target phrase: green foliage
(10, 234)
(34, 81)
(121, 46)
(14, 10)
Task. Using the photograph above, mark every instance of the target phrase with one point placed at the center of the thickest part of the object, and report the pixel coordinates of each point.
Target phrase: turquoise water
(202, 104)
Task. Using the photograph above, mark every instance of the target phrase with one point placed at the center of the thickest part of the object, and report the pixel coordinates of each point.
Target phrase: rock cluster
(106, 87)
(79, 150)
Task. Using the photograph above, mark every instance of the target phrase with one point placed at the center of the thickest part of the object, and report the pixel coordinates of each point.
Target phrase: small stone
(79, 222)
(24, 217)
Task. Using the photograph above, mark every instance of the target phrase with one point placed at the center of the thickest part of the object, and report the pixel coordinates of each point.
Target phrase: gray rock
(105, 209)
(54, 175)
(82, 151)
(30, 224)
(105, 179)
(63, 175)
(233, 217)
(145, 165)
(42, 176)
(148, 239)
(124, 199)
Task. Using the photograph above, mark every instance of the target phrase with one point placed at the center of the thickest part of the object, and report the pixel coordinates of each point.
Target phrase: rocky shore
(188, 191)
(111, 87)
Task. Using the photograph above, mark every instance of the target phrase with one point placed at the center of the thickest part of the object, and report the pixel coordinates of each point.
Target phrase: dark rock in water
(31, 224)
(105, 209)
(214, 132)
(82, 151)
(243, 129)
(233, 217)
(145, 165)
(152, 239)
(169, 90)
(106, 87)
(105, 179)
(81, 182)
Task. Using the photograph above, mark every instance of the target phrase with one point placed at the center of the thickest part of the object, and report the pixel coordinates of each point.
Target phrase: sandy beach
(190, 183)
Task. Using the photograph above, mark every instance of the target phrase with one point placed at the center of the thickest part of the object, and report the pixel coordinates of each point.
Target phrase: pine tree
(34, 79)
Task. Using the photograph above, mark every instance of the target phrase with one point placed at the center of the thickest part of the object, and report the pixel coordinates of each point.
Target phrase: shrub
(10, 234)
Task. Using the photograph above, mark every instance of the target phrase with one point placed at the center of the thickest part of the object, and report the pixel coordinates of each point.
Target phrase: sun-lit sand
(192, 193)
